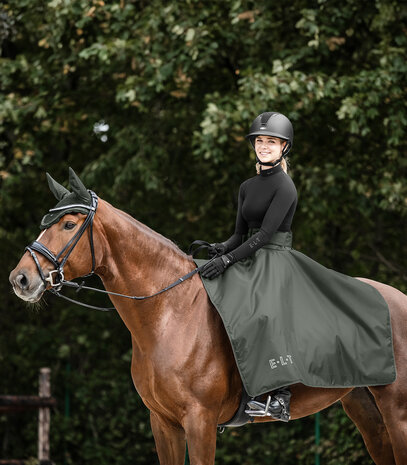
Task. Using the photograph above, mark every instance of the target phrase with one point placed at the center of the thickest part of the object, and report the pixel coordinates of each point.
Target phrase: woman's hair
(284, 164)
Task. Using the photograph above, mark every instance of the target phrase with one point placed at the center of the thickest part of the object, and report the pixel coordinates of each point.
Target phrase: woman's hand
(217, 266)
(216, 249)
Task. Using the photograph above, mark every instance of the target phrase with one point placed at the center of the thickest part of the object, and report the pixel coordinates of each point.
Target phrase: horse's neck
(136, 261)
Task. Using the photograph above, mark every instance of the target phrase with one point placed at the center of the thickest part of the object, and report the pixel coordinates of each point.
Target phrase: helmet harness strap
(284, 153)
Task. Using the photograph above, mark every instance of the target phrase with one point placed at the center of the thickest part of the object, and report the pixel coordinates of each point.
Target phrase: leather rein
(56, 277)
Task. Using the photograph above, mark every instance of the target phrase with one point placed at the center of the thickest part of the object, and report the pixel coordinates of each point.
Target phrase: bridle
(56, 278)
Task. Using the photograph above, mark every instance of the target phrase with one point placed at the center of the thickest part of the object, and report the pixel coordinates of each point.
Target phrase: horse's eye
(69, 225)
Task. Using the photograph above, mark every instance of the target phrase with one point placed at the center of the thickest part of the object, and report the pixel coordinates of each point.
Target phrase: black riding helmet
(272, 124)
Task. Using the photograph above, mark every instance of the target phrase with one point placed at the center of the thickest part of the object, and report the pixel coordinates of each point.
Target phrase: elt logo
(281, 361)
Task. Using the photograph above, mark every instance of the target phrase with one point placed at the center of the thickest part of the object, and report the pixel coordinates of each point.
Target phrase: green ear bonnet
(77, 201)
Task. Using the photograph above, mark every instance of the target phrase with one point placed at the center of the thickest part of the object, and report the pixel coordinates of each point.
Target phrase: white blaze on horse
(183, 365)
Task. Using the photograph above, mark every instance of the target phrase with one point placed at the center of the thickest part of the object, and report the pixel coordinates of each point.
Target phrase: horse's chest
(153, 373)
(157, 385)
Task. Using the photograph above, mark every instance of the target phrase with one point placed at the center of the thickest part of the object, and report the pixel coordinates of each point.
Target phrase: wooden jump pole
(43, 403)
(11, 404)
(44, 415)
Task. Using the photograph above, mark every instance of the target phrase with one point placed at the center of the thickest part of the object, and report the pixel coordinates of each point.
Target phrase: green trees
(178, 85)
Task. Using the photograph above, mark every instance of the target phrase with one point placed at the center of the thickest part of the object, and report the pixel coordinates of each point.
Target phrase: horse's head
(45, 263)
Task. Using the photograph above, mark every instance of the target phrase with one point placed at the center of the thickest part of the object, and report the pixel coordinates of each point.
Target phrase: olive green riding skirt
(291, 320)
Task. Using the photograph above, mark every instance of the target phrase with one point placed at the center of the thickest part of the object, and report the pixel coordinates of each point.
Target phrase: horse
(182, 361)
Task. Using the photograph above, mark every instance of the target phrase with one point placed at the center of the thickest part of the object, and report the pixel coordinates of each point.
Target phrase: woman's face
(268, 149)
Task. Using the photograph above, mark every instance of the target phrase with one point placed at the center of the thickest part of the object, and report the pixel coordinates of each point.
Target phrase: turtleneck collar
(270, 171)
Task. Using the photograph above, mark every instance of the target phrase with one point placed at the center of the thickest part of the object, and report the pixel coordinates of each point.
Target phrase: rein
(58, 281)
(79, 287)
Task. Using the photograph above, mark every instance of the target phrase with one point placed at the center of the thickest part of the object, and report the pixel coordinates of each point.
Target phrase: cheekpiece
(77, 201)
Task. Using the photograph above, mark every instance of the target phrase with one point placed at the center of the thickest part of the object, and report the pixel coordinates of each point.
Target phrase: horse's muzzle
(26, 287)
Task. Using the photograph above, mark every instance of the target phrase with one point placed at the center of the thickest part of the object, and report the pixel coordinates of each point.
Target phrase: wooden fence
(43, 403)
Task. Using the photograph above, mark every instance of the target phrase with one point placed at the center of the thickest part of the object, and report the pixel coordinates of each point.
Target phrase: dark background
(178, 84)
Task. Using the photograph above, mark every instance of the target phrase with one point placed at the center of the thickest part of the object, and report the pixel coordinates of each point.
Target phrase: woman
(289, 319)
(267, 203)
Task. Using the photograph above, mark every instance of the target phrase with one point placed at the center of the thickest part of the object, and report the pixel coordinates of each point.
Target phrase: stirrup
(258, 409)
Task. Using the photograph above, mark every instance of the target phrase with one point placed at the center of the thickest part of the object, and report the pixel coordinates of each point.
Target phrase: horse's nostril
(22, 281)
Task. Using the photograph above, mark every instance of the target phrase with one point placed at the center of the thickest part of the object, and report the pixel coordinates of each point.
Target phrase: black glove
(217, 266)
(216, 249)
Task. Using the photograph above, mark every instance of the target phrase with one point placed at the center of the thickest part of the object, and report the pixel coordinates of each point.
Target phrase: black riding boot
(277, 405)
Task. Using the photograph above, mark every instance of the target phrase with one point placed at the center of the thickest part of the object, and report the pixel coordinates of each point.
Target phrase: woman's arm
(284, 199)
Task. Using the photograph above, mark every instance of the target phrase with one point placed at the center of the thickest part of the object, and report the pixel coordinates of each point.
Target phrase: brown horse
(182, 365)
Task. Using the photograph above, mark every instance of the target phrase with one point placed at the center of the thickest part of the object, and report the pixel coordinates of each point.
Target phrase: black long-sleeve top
(266, 201)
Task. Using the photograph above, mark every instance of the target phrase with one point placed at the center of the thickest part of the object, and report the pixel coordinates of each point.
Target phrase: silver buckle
(50, 278)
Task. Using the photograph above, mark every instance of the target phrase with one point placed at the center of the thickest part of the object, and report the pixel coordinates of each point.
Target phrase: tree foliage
(150, 101)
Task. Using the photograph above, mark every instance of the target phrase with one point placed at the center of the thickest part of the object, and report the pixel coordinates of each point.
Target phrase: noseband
(56, 277)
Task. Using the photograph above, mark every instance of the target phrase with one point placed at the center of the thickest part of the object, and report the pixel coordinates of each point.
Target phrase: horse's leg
(391, 398)
(361, 408)
(169, 441)
(391, 401)
(200, 428)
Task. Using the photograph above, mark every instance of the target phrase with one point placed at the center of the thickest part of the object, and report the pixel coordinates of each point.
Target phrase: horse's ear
(57, 189)
(78, 186)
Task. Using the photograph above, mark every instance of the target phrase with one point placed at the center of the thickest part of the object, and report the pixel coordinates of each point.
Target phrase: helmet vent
(264, 117)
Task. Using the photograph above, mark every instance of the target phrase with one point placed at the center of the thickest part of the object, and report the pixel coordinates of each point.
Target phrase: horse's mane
(133, 223)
